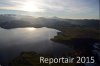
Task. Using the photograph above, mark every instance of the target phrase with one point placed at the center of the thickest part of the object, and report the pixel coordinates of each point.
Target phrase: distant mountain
(9, 21)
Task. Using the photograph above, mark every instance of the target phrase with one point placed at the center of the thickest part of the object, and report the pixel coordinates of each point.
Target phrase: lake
(17, 40)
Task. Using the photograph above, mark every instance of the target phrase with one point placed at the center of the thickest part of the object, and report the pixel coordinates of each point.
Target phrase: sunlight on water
(17, 40)
(30, 28)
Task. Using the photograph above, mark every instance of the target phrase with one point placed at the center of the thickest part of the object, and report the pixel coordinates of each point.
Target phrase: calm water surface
(15, 41)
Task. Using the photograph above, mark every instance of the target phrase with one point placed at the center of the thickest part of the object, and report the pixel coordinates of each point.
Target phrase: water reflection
(30, 28)
(14, 41)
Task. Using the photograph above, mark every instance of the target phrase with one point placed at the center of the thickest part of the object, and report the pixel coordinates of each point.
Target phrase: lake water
(15, 41)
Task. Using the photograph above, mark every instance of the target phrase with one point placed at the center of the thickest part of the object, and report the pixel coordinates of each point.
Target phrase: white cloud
(65, 7)
(45, 5)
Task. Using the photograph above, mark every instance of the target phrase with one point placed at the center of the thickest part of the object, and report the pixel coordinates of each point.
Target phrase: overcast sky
(49, 8)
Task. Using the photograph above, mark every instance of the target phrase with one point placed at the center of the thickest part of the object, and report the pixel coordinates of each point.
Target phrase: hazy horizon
(71, 9)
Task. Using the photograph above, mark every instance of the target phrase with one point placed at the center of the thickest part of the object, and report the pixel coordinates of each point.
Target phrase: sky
(74, 9)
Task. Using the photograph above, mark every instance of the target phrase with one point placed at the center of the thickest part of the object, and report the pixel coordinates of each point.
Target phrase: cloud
(55, 5)
(67, 7)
